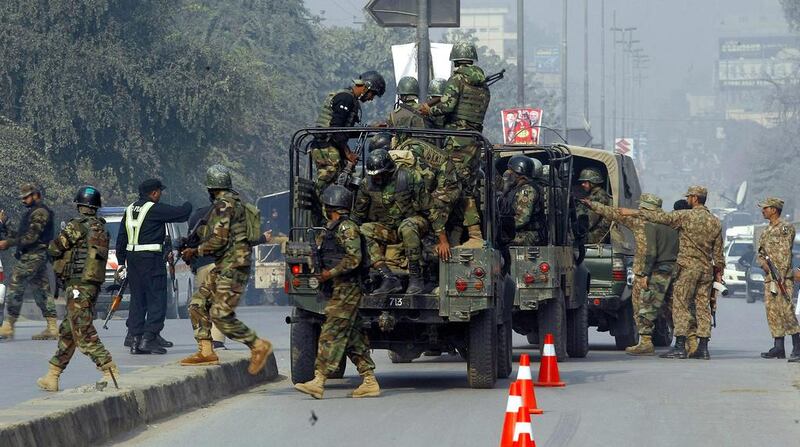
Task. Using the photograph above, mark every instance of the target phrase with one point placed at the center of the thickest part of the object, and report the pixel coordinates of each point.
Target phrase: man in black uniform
(140, 242)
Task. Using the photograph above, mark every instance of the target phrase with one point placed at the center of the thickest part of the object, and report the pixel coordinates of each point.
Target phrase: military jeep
(551, 280)
(467, 310)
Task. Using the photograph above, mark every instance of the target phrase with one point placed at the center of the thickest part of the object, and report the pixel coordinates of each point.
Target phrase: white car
(734, 274)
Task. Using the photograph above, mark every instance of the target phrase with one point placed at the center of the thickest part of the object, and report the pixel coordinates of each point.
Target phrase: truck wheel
(578, 332)
(662, 333)
(552, 320)
(482, 350)
(303, 348)
(504, 350)
(625, 333)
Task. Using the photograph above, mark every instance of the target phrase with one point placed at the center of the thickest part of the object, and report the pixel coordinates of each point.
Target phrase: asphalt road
(736, 399)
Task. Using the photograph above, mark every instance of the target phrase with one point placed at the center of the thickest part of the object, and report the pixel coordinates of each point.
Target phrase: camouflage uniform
(340, 109)
(77, 328)
(661, 254)
(699, 254)
(31, 267)
(525, 200)
(598, 226)
(341, 333)
(219, 294)
(777, 240)
(428, 158)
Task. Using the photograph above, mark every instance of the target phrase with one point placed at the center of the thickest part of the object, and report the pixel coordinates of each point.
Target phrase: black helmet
(379, 161)
(381, 140)
(88, 196)
(374, 82)
(522, 165)
(337, 197)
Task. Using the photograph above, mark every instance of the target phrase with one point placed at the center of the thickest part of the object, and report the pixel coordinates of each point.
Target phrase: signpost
(624, 146)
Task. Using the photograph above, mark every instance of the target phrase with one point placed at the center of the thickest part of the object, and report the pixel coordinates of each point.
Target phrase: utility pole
(625, 50)
(586, 63)
(423, 48)
(564, 70)
(603, 73)
(614, 28)
(520, 54)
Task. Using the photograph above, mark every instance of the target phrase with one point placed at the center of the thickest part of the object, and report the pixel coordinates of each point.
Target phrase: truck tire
(303, 339)
(625, 333)
(662, 332)
(504, 350)
(482, 350)
(578, 332)
(553, 320)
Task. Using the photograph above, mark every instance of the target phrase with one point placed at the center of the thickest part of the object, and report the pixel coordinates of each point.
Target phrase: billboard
(521, 125)
(754, 62)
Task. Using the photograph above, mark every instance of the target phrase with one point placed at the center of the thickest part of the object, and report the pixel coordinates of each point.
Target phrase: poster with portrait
(521, 125)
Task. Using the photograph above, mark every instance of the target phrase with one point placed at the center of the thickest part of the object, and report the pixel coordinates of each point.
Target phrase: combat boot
(259, 353)
(795, 357)
(7, 329)
(691, 344)
(778, 351)
(678, 351)
(315, 387)
(128, 340)
(204, 356)
(416, 283)
(369, 387)
(49, 333)
(390, 283)
(702, 350)
(110, 374)
(475, 237)
(50, 380)
(645, 346)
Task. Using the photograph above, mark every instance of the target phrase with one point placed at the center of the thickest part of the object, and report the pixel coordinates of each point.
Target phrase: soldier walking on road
(36, 229)
(591, 182)
(776, 242)
(699, 263)
(341, 333)
(140, 251)
(219, 295)
(79, 255)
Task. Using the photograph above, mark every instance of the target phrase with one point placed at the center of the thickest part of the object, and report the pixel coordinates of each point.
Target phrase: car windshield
(739, 249)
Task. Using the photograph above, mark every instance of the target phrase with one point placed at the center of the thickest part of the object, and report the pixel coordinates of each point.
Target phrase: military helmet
(374, 82)
(381, 140)
(525, 166)
(464, 51)
(337, 197)
(379, 161)
(408, 85)
(218, 177)
(27, 189)
(436, 87)
(650, 201)
(591, 175)
(88, 196)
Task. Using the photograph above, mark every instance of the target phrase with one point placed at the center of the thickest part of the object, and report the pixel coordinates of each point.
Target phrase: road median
(85, 416)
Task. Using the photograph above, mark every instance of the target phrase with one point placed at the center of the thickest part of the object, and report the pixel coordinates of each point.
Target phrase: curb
(84, 416)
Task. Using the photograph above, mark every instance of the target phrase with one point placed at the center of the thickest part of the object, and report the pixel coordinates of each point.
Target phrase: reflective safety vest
(132, 227)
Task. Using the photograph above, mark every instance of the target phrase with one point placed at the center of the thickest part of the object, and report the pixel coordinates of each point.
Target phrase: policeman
(341, 109)
(525, 198)
(79, 254)
(341, 333)
(31, 239)
(463, 105)
(140, 252)
(226, 239)
(776, 243)
(389, 203)
(591, 183)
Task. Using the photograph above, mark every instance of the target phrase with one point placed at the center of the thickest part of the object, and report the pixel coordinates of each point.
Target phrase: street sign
(624, 146)
(403, 13)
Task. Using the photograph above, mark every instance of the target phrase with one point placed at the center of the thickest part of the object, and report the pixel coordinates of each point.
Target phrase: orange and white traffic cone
(526, 385)
(512, 407)
(523, 430)
(548, 367)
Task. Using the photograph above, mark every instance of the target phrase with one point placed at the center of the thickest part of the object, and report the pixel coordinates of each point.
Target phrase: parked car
(734, 273)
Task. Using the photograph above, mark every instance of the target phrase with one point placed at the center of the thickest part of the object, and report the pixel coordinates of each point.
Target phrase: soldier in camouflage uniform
(435, 92)
(700, 262)
(79, 255)
(330, 152)
(406, 112)
(225, 238)
(463, 105)
(525, 197)
(341, 333)
(776, 242)
(591, 182)
(390, 203)
(36, 229)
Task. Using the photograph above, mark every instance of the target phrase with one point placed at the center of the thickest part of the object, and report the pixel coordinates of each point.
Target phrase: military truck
(468, 310)
(269, 279)
(551, 280)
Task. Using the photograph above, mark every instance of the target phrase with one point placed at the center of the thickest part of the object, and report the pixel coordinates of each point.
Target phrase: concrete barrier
(85, 416)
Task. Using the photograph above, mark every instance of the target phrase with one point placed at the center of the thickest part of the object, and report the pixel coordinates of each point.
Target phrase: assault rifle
(346, 176)
(491, 79)
(193, 240)
(773, 271)
(115, 300)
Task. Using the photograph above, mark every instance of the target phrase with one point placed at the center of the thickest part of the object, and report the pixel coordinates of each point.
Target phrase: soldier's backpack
(252, 217)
